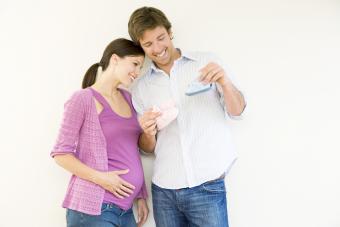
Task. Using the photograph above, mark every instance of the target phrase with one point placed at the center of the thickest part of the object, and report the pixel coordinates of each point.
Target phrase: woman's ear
(114, 59)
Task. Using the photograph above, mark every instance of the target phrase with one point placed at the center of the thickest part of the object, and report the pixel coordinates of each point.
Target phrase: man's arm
(233, 98)
(147, 140)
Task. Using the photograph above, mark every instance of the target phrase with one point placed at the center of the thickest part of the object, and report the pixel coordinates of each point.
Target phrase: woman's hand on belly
(112, 182)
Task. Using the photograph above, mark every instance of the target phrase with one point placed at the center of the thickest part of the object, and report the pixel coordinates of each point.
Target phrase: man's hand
(148, 122)
(212, 73)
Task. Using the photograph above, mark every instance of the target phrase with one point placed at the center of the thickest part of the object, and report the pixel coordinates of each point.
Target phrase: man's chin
(162, 63)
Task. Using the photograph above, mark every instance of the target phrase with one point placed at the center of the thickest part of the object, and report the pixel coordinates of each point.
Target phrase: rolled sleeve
(233, 79)
(73, 119)
(143, 193)
(136, 99)
(221, 99)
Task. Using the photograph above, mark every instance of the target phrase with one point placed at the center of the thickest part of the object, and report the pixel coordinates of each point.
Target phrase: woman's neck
(106, 84)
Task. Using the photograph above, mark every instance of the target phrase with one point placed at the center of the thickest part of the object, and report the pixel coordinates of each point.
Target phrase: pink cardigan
(81, 134)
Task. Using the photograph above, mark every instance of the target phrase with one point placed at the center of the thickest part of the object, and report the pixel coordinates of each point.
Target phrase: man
(194, 151)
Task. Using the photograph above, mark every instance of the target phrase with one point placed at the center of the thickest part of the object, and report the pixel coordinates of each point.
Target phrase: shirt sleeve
(232, 77)
(73, 119)
(136, 99)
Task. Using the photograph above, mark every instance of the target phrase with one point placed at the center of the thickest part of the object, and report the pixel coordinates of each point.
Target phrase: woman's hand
(112, 182)
(143, 211)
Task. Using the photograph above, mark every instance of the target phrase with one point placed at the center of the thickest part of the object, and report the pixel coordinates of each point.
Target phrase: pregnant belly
(135, 176)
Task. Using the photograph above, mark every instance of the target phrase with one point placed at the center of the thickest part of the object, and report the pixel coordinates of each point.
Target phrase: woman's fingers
(117, 195)
(127, 184)
(126, 189)
(122, 193)
(119, 187)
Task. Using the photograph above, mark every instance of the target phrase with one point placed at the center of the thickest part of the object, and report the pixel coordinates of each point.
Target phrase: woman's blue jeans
(111, 216)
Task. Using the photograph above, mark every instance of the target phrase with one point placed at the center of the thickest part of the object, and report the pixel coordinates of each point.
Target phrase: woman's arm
(110, 181)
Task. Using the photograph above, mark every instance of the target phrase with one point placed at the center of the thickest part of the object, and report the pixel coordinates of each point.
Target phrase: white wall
(286, 55)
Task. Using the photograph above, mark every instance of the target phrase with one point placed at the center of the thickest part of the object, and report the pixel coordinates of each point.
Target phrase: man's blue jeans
(112, 216)
(201, 206)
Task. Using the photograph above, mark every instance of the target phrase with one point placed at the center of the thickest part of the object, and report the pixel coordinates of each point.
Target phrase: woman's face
(128, 68)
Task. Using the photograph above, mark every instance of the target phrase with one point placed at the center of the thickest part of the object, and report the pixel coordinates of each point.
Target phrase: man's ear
(170, 34)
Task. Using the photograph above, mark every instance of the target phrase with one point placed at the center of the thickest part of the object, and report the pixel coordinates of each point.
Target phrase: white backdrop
(286, 55)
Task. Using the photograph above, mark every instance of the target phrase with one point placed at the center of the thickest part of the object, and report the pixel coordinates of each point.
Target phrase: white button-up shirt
(197, 146)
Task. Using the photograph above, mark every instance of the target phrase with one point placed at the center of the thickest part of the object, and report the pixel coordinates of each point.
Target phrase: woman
(98, 144)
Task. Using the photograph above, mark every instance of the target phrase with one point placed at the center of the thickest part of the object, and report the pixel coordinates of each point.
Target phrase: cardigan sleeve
(143, 193)
(73, 118)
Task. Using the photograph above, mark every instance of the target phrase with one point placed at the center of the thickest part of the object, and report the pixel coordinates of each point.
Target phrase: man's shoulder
(140, 80)
(200, 55)
(135, 87)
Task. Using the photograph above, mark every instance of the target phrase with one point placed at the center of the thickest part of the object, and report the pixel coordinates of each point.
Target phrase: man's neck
(166, 68)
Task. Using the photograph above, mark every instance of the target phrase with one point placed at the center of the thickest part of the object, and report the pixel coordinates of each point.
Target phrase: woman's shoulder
(81, 95)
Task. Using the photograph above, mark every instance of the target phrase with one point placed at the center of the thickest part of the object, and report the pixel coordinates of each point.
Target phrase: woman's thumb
(123, 171)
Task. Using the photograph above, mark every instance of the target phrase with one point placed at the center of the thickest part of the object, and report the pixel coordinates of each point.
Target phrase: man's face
(158, 46)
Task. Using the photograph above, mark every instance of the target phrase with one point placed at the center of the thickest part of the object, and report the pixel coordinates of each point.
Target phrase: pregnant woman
(98, 143)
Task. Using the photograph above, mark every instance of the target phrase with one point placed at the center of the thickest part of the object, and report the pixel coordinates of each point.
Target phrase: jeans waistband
(219, 178)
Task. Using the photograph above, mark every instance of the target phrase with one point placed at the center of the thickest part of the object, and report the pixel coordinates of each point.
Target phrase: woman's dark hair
(121, 47)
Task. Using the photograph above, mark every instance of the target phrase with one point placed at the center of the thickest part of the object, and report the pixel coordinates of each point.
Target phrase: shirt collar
(184, 56)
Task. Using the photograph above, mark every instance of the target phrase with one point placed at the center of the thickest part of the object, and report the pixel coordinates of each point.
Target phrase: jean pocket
(216, 186)
(156, 188)
(74, 218)
(105, 207)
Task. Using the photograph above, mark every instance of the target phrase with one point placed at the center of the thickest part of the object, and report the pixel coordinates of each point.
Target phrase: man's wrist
(227, 85)
(149, 137)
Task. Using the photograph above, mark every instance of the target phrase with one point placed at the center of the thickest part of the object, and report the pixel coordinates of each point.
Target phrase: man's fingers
(146, 121)
(151, 116)
(148, 124)
(207, 77)
(213, 75)
(151, 127)
(151, 113)
(207, 68)
(152, 130)
(217, 76)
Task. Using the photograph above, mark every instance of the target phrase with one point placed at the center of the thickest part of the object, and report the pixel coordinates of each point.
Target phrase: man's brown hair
(146, 18)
